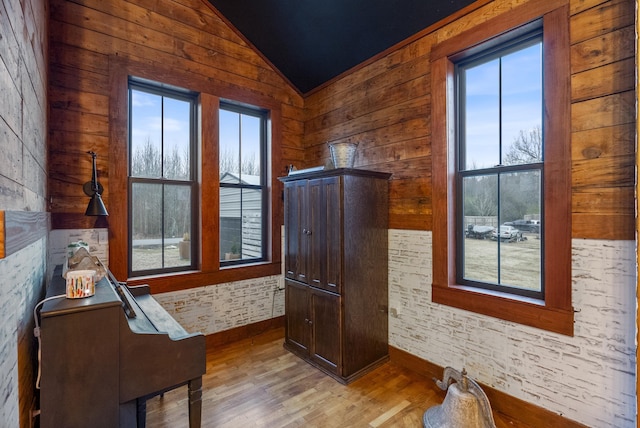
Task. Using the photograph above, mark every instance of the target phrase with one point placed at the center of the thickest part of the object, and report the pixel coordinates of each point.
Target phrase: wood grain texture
(95, 46)
(216, 340)
(601, 81)
(637, 222)
(3, 238)
(24, 52)
(602, 19)
(255, 382)
(18, 229)
(186, 35)
(387, 105)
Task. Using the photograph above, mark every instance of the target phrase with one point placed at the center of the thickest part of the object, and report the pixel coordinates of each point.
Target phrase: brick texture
(589, 378)
(220, 307)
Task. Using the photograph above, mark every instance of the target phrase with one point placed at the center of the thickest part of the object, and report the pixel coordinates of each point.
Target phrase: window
(499, 167)
(501, 160)
(243, 184)
(163, 187)
(180, 261)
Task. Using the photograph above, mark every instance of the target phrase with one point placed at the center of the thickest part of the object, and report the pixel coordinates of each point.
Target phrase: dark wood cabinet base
(344, 380)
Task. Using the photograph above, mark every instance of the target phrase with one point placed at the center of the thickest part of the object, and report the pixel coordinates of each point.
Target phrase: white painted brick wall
(22, 279)
(215, 308)
(220, 307)
(589, 378)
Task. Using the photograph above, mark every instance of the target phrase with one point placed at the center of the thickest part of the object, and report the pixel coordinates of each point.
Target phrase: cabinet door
(296, 230)
(297, 316)
(326, 331)
(325, 246)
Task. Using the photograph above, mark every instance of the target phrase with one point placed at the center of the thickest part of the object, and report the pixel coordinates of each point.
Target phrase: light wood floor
(256, 383)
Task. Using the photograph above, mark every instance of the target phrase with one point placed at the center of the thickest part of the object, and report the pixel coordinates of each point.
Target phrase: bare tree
(481, 196)
(250, 166)
(519, 191)
(146, 160)
(526, 148)
(229, 163)
(154, 203)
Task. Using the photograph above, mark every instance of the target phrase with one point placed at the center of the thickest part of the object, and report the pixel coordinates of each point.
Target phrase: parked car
(525, 225)
(507, 233)
(479, 232)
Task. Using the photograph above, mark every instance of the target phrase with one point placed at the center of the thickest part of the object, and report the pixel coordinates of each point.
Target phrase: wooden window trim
(555, 313)
(209, 270)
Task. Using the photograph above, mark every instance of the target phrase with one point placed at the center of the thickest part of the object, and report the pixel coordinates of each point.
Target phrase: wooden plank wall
(185, 34)
(18, 229)
(386, 105)
(23, 192)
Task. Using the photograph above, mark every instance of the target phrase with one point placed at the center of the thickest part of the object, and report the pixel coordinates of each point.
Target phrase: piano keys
(103, 356)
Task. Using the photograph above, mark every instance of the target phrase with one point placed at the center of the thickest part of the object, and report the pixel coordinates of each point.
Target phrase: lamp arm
(94, 178)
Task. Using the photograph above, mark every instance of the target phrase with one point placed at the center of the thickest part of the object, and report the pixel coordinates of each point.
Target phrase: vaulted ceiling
(312, 41)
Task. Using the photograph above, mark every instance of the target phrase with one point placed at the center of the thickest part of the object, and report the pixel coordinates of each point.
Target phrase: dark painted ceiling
(313, 41)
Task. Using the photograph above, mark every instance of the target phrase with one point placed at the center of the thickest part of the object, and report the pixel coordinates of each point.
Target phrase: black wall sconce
(94, 189)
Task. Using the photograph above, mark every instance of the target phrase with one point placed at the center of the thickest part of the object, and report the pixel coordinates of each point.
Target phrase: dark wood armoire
(336, 257)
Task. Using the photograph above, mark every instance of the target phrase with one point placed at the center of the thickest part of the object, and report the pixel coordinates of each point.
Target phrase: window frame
(181, 94)
(521, 38)
(208, 271)
(555, 312)
(264, 118)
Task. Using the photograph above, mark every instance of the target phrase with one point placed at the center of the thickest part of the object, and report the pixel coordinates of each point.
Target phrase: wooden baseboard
(244, 332)
(510, 407)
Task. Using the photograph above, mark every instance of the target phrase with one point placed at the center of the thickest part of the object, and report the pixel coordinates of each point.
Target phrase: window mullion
(500, 98)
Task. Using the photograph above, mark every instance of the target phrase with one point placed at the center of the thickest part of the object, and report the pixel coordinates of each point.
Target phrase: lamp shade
(93, 188)
(96, 206)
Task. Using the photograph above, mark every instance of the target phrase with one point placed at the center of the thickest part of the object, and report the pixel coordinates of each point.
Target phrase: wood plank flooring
(256, 383)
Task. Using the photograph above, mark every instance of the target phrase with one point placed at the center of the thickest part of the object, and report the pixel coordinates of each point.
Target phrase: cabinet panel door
(296, 227)
(297, 316)
(326, 331)
(325, 202)
(334, 233)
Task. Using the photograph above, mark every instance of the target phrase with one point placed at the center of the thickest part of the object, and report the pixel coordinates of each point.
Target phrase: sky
(147, 123)
(521, 109)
